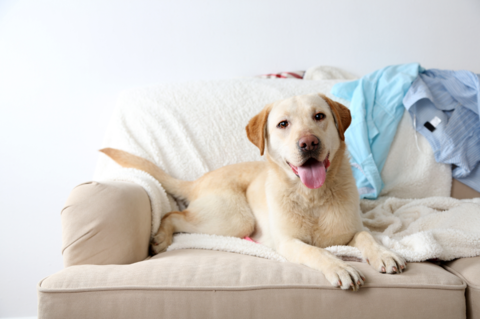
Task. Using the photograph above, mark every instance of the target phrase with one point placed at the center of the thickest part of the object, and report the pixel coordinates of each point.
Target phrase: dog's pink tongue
(312, 173)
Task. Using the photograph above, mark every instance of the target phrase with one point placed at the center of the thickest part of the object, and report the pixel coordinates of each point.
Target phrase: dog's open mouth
(312, 173)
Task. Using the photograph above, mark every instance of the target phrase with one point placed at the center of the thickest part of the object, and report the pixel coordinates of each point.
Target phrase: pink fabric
(249, 239)
(284, 75)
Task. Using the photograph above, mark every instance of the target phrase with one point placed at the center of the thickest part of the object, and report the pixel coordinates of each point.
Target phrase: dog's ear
(341, 114)
(256, 128)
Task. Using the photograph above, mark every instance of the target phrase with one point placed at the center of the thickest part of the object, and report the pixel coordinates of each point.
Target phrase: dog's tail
(178, 188)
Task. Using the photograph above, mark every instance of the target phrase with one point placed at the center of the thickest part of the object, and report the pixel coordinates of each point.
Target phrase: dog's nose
(308, 143)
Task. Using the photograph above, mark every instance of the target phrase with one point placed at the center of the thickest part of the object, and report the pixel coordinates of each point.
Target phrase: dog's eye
(319, 116)
(282, 124)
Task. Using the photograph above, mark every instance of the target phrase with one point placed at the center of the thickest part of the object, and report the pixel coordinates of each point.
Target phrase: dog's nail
(394, 269)
(340, 283)
(363, 278)
(358, 282)
(383, 269)
(368, 261)
(402, 267)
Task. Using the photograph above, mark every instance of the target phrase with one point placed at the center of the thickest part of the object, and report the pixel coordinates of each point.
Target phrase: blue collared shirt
(445, 108)
(376, 108)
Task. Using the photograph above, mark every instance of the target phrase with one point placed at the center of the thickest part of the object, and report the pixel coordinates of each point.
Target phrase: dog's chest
(327, 225)
(330, 230)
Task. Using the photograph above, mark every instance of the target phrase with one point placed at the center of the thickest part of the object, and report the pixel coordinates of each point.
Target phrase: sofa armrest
(106, 223)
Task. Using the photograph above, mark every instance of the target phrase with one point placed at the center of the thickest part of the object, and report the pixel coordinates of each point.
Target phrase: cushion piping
(220, 288)
(456, 273)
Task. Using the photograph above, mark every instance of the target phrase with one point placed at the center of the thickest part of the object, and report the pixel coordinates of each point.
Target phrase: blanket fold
(441, 228)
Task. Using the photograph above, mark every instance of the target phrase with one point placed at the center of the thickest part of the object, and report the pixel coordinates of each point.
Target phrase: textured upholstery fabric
(106, 223)
(211, 284)
(462, 191)
(469, 270)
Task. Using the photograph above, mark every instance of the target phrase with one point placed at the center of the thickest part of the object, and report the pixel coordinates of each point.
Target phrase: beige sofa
(109, 274)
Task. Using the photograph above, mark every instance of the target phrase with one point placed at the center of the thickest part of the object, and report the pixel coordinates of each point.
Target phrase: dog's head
(301, 134)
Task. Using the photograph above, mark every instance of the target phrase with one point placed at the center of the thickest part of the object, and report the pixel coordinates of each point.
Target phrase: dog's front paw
(385, 261)
(340, 274)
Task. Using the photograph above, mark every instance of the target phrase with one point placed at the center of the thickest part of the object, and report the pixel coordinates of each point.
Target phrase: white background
(62, 64)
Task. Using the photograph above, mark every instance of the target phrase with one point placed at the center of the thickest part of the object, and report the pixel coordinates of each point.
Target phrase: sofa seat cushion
(211, 284)
(469, 270)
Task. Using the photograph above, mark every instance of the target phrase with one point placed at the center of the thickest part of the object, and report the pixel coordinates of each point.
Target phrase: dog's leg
(164, 235)
(379, 257)
(337, 272)
(222, 214)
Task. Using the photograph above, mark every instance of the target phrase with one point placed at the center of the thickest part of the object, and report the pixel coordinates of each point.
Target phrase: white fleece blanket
(431, 228)
(242, 246)
(189, 129)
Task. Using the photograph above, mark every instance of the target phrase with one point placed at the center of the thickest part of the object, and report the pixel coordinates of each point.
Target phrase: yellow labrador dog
(302, 199)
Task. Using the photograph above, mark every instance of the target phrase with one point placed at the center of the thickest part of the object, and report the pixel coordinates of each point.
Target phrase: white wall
(62, 63)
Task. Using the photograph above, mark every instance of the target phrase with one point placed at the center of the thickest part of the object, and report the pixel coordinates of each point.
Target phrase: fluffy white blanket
(431, 228)
(189, 129)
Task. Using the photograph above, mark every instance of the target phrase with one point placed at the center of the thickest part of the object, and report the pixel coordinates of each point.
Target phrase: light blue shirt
(450, 102)
(376, 108)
